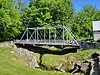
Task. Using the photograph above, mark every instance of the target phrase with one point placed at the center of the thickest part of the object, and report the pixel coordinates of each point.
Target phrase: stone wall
(90, 45)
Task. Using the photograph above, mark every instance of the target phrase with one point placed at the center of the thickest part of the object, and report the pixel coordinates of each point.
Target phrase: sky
(79, 4)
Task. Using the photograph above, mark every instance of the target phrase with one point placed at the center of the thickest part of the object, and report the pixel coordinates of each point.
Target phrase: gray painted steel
(58, 35)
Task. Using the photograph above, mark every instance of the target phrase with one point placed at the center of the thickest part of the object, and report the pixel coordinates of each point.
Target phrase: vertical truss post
(67, 36)
(37, 34)
(27, 34)
(55, 35)
(49, 34)
(63, 34)
(44, 34)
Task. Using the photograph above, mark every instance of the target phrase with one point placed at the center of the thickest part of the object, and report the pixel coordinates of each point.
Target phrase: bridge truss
(58, 35)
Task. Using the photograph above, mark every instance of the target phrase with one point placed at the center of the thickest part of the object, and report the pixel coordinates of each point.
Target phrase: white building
(96, 30)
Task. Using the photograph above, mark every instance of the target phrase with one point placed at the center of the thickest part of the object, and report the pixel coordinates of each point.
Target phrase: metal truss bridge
(58, 35)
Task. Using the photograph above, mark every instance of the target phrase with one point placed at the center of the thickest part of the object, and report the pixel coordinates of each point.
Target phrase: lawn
(13, 65)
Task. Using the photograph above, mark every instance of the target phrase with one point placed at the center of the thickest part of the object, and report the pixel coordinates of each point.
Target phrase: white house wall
(96, 36)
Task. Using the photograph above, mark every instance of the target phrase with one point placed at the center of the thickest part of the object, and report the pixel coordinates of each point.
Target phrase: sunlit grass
(67, 60)
(13, 65)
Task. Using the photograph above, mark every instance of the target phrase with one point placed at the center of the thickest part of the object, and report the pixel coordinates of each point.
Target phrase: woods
(15, 16)
(10, 21)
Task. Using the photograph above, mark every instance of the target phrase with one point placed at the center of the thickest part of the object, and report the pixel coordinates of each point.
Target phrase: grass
(13, 65)
(50, 48)
(68, 60)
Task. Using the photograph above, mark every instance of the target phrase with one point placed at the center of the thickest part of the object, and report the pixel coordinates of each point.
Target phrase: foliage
(83, 22)
(61, 12)
(10, 24)
(49, 13)
(14, 14)
(44, 13)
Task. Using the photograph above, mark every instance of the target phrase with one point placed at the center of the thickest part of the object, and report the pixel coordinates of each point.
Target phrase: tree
(83, 22)
(10, 24)
(49, 13)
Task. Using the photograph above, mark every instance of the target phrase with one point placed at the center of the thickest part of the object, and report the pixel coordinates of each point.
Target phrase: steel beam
(49, 35)
(44, 34)
(55, 35)
(27, 34)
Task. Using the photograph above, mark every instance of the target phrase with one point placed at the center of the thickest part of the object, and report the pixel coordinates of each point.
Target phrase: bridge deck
(47, 42)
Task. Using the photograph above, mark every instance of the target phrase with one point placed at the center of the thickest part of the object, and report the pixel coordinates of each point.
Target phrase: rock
(8, 43)
(32, 60)
(95, 64)
(76, 69)
(84, 67)
(89, 67)
(62, 70)
(59, 68)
